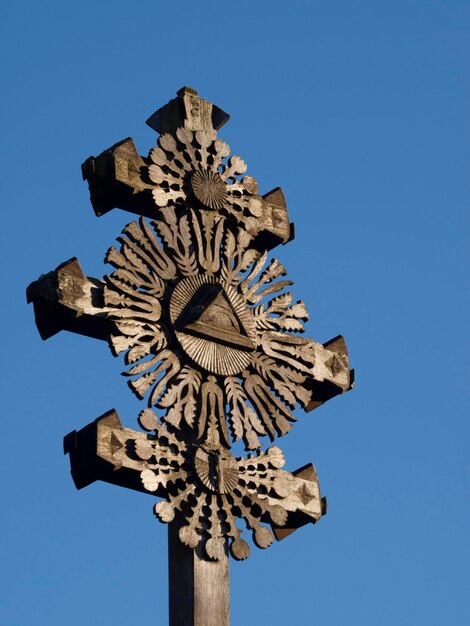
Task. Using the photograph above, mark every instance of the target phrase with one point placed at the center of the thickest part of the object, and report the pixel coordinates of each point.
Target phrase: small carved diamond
(335, 365)
(305, 495)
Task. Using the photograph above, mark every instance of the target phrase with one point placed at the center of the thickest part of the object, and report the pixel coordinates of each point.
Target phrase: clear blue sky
(360, 111)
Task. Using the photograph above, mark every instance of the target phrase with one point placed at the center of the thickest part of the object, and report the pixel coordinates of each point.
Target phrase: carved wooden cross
(210, 337)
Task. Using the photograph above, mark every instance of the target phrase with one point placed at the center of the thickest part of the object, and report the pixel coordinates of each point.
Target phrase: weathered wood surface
(190, 111)
(199, 588)
(65, 299)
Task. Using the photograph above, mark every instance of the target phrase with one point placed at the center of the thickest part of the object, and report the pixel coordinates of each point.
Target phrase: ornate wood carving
(210, 332)
(204, 485)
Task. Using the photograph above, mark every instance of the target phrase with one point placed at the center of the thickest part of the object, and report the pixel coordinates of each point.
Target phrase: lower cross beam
(105, 450)
(201, 485)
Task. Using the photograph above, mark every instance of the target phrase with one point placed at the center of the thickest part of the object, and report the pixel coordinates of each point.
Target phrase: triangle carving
(211, 316)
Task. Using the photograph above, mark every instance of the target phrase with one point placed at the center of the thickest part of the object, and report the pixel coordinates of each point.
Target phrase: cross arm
(331, 375)
(117, 178)
(105, 450)
(304, 504)
(101, 451)
(324, 366)
(66, 299)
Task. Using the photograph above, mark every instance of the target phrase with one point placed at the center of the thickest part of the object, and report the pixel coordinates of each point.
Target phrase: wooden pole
(198, 589)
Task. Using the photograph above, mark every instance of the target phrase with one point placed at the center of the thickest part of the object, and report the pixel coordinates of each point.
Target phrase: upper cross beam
(120, 178)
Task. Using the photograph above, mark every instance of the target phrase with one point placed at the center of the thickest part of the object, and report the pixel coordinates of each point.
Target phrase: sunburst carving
(191, 166)
(209, 189)
(213, 324)
(192, 301)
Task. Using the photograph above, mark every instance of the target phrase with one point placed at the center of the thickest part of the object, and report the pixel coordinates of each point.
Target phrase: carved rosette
(206, 325)
(210, 489)
(213, 324)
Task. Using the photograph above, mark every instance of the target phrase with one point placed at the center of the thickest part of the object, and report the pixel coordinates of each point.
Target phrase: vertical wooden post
(198, 589)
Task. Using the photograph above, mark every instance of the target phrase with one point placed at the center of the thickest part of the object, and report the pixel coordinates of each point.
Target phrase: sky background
(360, 112)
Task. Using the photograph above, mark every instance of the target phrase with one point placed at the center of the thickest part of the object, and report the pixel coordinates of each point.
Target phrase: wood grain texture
(188, 158)
(199, 588)
(65, 299)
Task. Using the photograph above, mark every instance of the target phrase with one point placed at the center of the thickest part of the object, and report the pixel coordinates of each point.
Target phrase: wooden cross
(210, 337)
